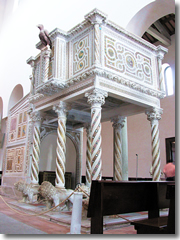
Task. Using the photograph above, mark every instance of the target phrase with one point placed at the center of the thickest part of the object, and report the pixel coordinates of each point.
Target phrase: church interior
(88, 103)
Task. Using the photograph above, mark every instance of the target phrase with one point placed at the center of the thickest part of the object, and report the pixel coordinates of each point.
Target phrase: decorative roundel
(111, 53)
(146, 69)
(130, 61)
(81, 64)
(81, 44)
(81, 54)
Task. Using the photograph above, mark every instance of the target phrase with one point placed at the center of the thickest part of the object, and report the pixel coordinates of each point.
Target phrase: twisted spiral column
(118, 124)
(46, 63)
(37, 119)
(88, 155)
(61, 109)
(161, 78)
(154, 115)
(96, 43)
(96, 99)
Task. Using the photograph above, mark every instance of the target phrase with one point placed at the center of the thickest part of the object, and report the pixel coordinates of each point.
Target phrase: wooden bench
(112, 197)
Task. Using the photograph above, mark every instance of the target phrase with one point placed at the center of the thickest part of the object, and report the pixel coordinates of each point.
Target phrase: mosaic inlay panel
(128, 62)
(15, 158)
(81, 58)
(18, 125)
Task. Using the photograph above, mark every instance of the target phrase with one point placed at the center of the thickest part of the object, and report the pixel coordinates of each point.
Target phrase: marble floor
(21, 218)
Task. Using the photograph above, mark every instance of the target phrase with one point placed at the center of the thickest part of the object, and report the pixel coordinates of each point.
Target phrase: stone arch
(16, 95)
(143, 19)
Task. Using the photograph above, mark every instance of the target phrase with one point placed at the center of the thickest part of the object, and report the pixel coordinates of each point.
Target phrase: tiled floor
(52, 222)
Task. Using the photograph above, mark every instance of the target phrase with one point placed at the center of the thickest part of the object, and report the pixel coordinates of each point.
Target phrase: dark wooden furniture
(51, 176)
(171, 218)
(111, 197)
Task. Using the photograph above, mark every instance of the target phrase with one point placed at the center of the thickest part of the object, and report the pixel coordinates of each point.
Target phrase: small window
(168, 79)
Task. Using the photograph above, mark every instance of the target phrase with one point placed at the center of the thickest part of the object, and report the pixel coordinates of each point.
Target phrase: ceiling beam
(153, 32)
(162, 29)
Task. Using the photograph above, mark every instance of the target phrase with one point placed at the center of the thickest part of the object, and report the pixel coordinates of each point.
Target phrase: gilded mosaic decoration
(18, 126)
(15, 157)
(81, 55)
(128, 62)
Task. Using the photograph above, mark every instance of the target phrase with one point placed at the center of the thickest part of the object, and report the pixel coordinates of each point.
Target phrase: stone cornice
(54, 86)
(96, 16)
(36, 97)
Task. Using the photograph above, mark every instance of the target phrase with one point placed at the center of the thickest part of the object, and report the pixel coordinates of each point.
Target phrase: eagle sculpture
(44, 36)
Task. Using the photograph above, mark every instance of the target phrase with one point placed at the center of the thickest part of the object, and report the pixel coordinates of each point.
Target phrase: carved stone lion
(54, 195)
(28, 190)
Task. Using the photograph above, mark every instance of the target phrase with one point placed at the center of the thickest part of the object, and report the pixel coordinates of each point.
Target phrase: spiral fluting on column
(161, 78)
(96, 36)
(118, 124)
(96, 144)
(61, 151)
(88, 157)
(156, 171)
(61, 109)
(35, 155)
(96, 98)
(154, 115)
(46, 64)
(118, 156)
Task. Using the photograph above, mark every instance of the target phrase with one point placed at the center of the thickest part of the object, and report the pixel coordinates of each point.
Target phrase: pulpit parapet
(99, 49)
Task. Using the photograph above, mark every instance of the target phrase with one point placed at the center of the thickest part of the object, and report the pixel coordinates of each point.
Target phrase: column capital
(97, 96)
(36, 116)
(118, 121)
(62, 108)
(154, 113)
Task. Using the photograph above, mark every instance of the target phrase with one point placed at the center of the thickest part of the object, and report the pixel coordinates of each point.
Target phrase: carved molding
(51, 87)
(35, 98)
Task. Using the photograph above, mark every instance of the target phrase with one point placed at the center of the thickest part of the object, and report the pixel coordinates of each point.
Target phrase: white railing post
(76, 213)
